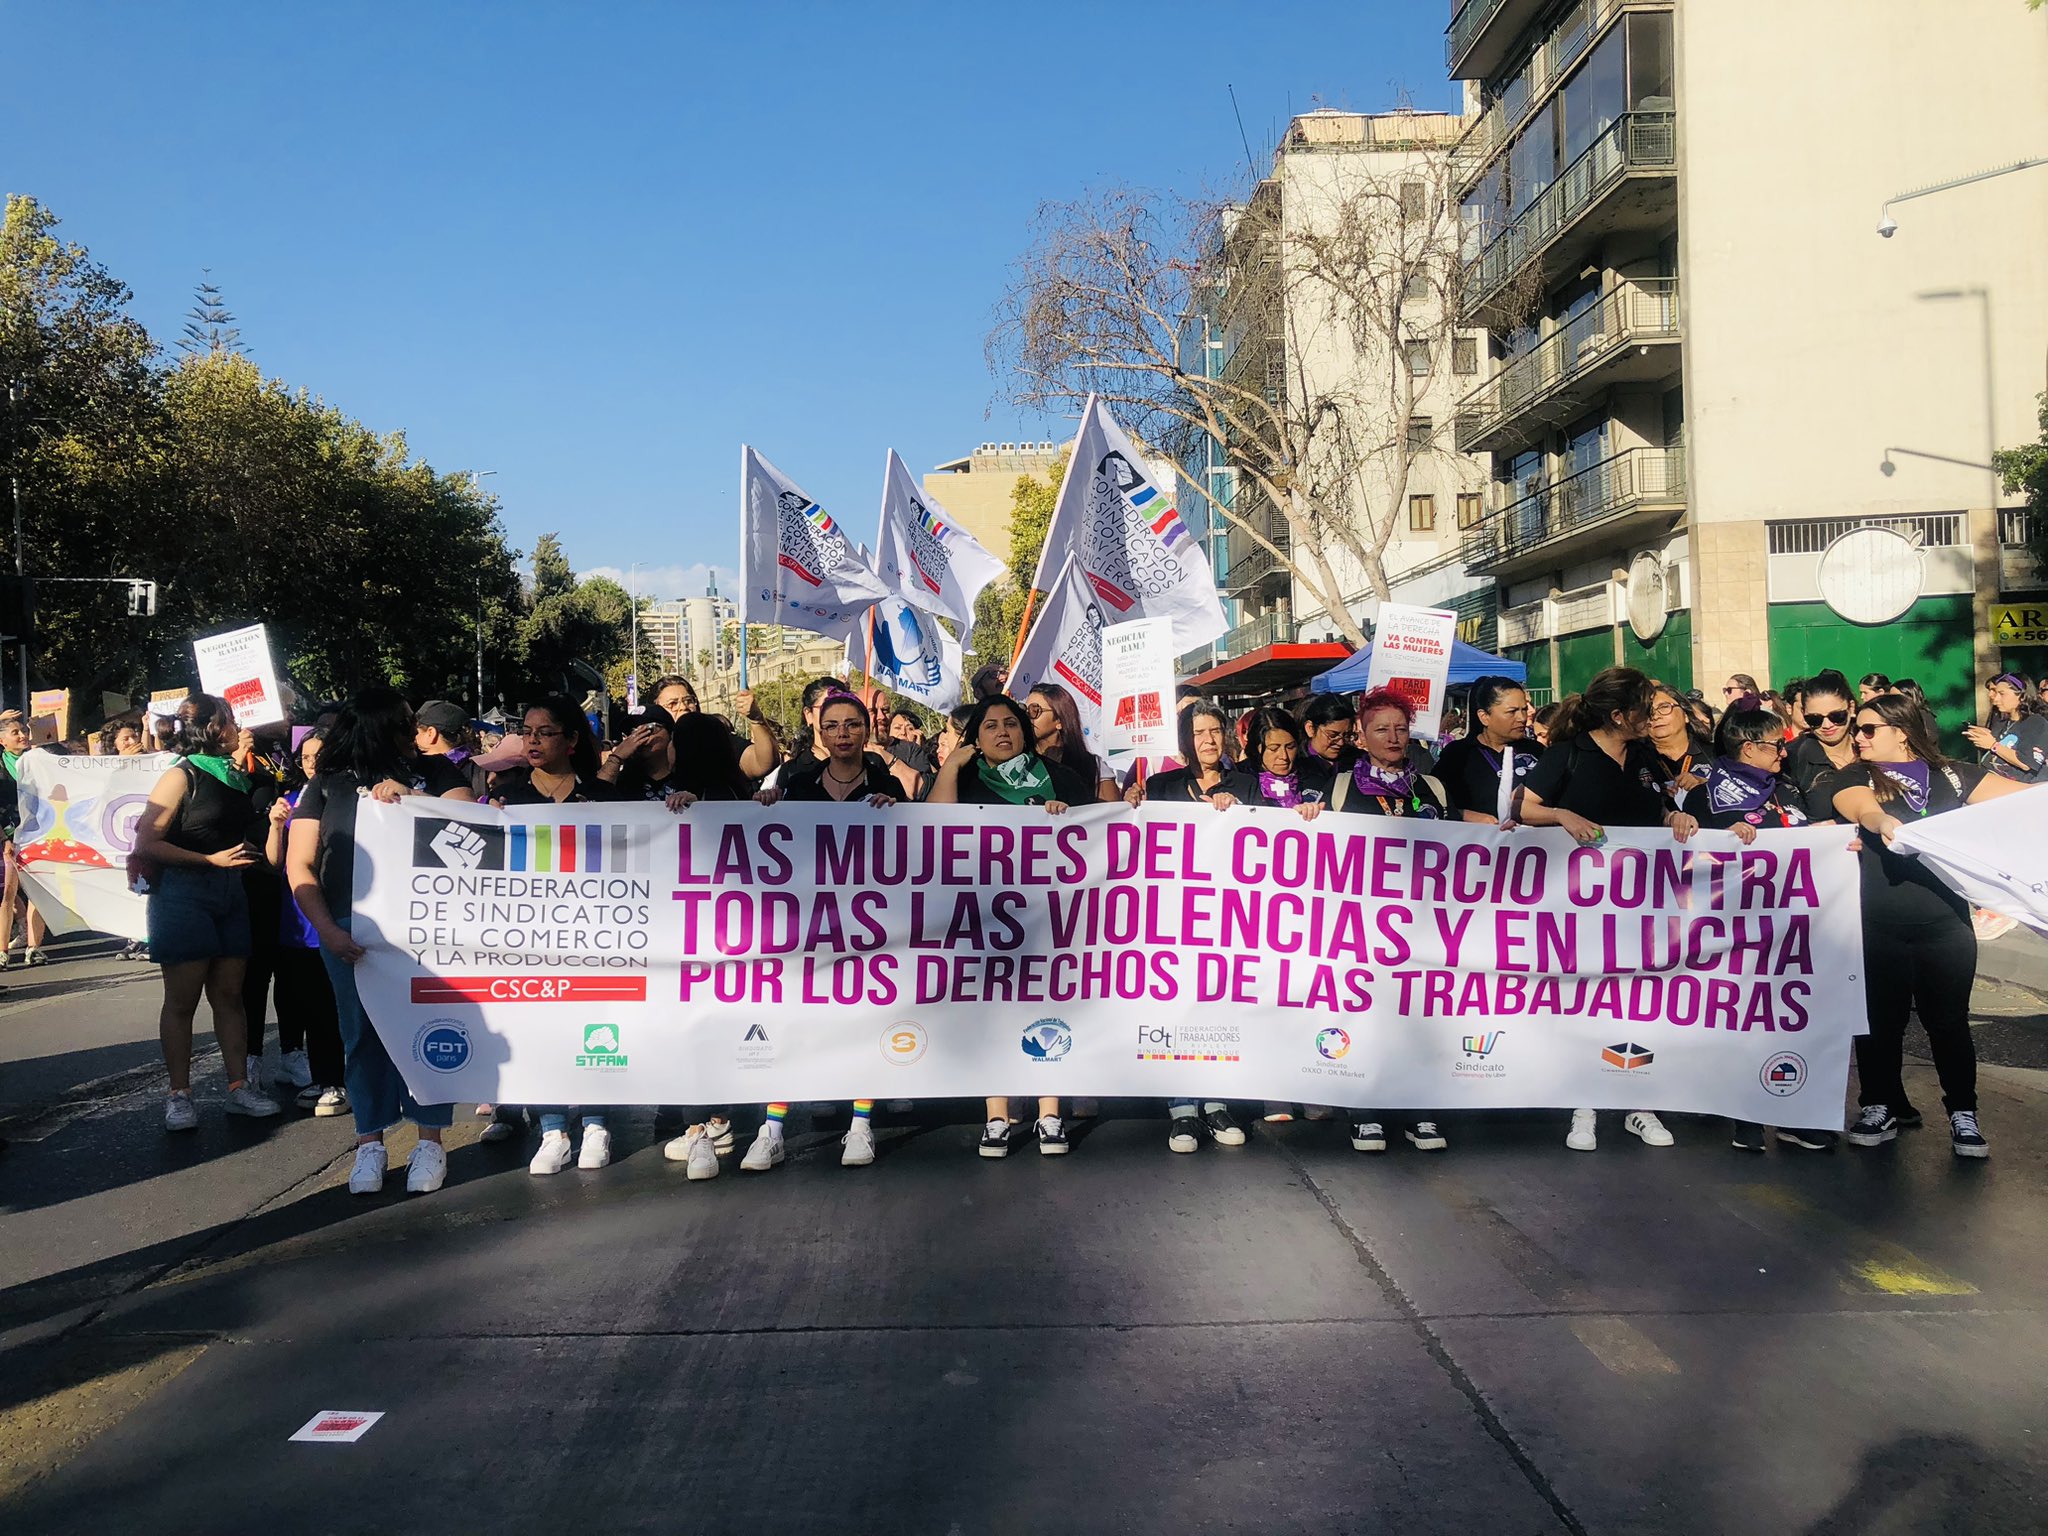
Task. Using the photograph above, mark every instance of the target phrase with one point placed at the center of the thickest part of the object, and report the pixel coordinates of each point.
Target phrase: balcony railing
(1635, 141)
(1553, 57)
(1632, 479)
(1250, 570)
(1641, 311)
(1467, 24)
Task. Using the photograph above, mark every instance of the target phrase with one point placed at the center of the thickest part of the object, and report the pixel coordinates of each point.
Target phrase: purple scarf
(1912, 779)
(1733, 785)
(1280, 789)
(1371, 779)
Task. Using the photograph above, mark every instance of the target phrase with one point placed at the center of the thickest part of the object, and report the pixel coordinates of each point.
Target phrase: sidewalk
(2020, 959)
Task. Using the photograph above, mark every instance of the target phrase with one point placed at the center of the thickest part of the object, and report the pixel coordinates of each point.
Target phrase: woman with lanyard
(849, 775)
(1383, 782)
(1471, 768)
(1826, 708)
(561, 769)
(1675, 744)
(995, 765)
(1056, 734)
(14, 745)
(2014, 738)
(196, 835)
(1276, 771)
(1919, 951)
(1595, 775)
(369, 753)
(1745, 792)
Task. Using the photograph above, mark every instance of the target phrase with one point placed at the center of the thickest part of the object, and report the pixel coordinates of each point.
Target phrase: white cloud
(662, 582)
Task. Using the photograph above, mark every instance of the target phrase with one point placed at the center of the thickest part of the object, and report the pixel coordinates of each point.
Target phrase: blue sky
(596, 247)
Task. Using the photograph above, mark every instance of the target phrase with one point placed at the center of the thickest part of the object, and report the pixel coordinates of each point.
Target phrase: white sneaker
(332, 1101)
(696, 1148)
(367, 1176)
(766, 1151)
(307, 1098)
(179, 1115)
(860, 1144)
(1585, 1133)
(1642, 1123)
(252, 1101)
(554, 1155)
(596, 1151)
(1184, 1132)
(252, 1069)
(427, 1169)
(294, 1070)
(719, 1130)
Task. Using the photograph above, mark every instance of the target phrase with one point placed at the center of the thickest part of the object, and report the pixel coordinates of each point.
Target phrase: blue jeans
(557, 1119)
(376, 1093)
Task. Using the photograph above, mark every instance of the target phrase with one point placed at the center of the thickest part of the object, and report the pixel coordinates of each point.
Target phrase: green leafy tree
(1000, 608)
(2026, 469)
(573, 621)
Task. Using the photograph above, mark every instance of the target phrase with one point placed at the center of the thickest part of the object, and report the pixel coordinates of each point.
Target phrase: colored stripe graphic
(565, 850)
(516, 855)
(619, 848)
(544, 850)
(593, 850)
(819, 518)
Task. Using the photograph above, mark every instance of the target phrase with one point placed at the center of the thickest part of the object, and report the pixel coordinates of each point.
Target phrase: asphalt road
(1505, 1337)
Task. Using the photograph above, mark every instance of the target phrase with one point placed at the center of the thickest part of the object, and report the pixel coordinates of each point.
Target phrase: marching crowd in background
(246, 850)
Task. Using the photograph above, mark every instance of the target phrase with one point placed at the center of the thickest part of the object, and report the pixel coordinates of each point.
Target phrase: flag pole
(746, 575)
(1037, 576)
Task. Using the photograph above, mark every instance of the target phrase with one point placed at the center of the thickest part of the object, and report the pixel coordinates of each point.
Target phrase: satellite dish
(1872, 575)
(1647, 613)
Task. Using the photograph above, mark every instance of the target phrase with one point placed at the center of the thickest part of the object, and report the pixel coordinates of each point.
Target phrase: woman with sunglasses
(995, 764)
(2013, 739)
(1739, 685)
(1919, 950)
(561, 769)
(1056, 735)
(1596, 774)
(1745, 792)
(1829, 745)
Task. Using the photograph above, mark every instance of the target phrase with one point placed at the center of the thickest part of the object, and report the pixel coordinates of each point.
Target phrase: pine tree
(209, 328)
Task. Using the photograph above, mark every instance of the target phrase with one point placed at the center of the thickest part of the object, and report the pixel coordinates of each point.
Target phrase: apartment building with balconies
(1703, 355)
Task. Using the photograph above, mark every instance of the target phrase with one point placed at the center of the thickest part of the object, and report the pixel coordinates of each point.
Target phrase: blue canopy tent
(1468, 662)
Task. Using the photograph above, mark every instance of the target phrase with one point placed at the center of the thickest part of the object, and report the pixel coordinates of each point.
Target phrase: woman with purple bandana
(2013, 740)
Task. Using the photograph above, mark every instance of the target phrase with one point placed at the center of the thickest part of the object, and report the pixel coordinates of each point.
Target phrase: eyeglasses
(547, 733)
(1036, 711)
(1832, 717)
(1775, 748)
(1665, 708)
(1867, 730)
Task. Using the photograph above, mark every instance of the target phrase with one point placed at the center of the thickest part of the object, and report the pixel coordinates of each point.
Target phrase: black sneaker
(1749, 1136)
(1909, 1118)
(1875, 1126)
(1368, 1136)
(1964, 1139)
(1052, 1136)
(1186, 1133)
(1813, 1141)
(995, 1139)
(1226, 1131)
(1426, 1136)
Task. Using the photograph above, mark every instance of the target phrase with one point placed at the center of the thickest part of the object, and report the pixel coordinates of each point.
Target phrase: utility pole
(476, 477)
(17, 395)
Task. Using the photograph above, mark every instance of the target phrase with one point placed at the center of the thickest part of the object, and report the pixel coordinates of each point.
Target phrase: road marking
(1621, 1347)
(1876, 1263)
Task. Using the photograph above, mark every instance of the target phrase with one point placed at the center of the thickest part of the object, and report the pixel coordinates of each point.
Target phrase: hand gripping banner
(613, 954)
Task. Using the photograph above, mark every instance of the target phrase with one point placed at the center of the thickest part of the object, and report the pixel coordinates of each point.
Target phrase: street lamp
(476, 477)
(1888, 226)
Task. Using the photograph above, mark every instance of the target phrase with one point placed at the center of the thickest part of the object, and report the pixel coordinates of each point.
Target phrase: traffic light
(141, 599)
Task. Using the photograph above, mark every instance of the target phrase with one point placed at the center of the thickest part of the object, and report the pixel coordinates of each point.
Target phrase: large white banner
(797, 566)
(936, 565)
(613, 954)
(1993, 854)
(78, 818)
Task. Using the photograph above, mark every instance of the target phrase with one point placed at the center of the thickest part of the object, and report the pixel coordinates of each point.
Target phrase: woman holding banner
(14, 744)
(1595, 774)
(1278, 770)
(196, 835)
(1919, 950)
(369, 752)
(995, 765)
(1056, 734)
(1497, 746)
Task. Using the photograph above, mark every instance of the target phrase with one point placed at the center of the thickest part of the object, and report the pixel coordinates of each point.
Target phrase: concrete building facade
(1709, 370)
(976, 489)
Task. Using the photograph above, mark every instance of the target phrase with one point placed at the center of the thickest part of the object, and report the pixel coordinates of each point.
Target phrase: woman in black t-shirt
(1470, 767)
(369, 753)
(2014, 736)
(561, 760)
(1207, 778)
(198, 833)
(1384, 781)
(1919, 950)
(1677, 751)
(995, 765)
(1593, 775)
(1826, 708)
(847, 772)
(1056, 736)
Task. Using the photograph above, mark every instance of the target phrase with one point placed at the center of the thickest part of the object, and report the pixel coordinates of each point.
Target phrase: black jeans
(305, 1013)
(265, 897)
(1929, 968)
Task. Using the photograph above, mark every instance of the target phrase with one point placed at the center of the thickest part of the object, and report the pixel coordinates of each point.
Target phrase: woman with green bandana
(198, 833)
(13, 743)
(996, 765)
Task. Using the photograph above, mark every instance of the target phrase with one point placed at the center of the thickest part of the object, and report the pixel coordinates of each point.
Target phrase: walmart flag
(912, 654)
(1065, 647)
(797, 567)
(1135, 552)
(936, 565)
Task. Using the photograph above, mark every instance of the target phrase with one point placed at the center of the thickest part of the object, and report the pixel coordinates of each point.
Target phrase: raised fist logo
(458, 846)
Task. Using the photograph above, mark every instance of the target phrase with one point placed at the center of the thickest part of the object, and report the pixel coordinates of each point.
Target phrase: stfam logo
(1783, 1075)
(441, 1044)
(904, 1043)
(602, 1050)
(1333, 1044)
(1048, 1040)
(1627, 1056)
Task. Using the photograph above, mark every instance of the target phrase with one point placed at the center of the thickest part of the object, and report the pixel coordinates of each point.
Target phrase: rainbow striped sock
(776, 1112)
(862, 1108)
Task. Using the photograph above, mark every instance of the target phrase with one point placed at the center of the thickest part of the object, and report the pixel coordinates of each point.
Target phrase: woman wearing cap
(1596, 774)
(995, 765)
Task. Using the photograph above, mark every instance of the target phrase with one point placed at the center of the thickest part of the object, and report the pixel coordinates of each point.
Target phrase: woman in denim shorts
(196, 835)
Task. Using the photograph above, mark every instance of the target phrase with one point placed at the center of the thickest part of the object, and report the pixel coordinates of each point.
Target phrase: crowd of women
(248, 853)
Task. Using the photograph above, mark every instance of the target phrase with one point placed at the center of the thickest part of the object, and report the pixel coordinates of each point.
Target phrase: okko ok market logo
(603, 1050)
(1047, 1040)
(1333, 1044)
(1478, 1055)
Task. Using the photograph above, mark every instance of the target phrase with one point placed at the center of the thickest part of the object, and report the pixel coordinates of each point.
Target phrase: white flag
(797, 566)
(913, 655)
(936, 565)
(1989, 853)
(1065, 647)
(1132, 546)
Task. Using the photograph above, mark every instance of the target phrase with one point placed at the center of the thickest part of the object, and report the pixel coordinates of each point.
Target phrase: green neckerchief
(221, 769)
(13, 762)
(1020, 781)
